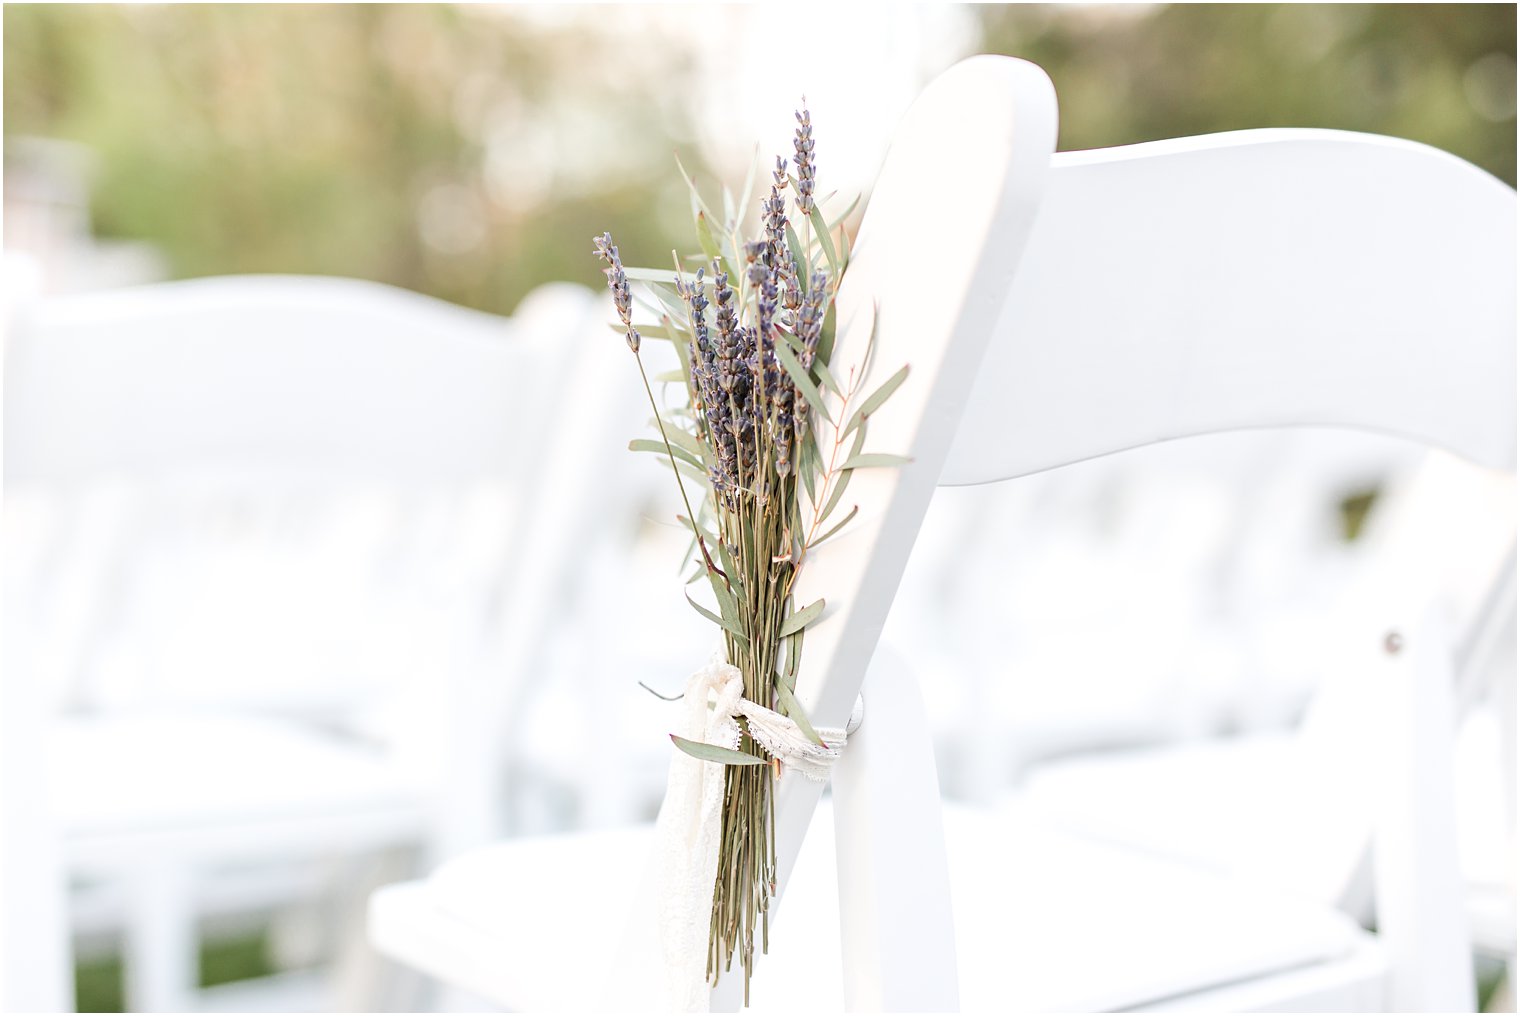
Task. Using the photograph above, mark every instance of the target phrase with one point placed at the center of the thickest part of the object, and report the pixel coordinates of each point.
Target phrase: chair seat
(1151, 798)
(1044, 921)
(200, 781)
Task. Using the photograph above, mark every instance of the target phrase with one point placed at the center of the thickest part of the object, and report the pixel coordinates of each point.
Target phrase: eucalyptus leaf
(693, 474)
(804, 271)
(713, 753)
(827, 377)
(793, 657)
(675, 310)
(697, 530)
(804, 383)
(692, 183)
(663, 276)
(730, 627)
(875, 460)
(726, 603)
(683, 439)
(747, 193)
(839, 219)
(802, 618)
(875, 400)
(841, 481)
(824, 240)
(647, 331)
(645, 444)
(787, 700)
(807, 465)
(836, 527)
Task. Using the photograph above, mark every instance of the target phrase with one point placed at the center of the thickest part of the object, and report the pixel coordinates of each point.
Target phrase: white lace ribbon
(690, 825)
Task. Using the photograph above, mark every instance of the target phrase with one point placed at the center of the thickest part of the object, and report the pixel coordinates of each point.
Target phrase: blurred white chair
(1141, 599)
(34, 954)
(1257, 279)
(260, 537)
(1240, 805)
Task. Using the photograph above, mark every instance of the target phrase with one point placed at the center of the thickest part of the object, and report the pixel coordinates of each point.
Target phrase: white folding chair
(1267, 278)
(378, 450)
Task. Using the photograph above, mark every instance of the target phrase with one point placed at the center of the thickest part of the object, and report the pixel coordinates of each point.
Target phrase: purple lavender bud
(807, 169)
(617, 281)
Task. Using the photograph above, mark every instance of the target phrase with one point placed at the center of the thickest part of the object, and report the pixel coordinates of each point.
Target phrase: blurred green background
(470, 153)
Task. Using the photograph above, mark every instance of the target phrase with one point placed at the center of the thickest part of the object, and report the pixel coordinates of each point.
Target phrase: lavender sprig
(807, 169)
(617, 281)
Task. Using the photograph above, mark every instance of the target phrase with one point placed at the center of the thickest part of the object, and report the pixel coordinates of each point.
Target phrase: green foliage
(1443, 74)
(449, 150)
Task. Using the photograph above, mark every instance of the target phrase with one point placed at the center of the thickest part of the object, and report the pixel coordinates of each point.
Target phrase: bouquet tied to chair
(762, 432)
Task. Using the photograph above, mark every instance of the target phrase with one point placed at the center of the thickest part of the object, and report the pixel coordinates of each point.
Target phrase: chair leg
(1421, 917)
(896, 921)
(161, 957)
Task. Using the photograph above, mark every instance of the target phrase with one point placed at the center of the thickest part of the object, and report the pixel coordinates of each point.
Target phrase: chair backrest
(351, 381)
(1258, 279)
(1243, 280)
(1252, 279)
(942, 238)
(222, 456)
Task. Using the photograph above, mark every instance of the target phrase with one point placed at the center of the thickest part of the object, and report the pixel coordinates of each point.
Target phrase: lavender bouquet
(753, 329)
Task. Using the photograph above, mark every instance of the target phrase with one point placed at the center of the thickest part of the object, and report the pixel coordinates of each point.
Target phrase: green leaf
(803, 382)
(732, 629)
(705, 237)
(804, 272)
(695, 194)
(826, 337)
(874, 401)
(824, 240)
(727, 604)
(827, 377)
(675, 310)
(682, 438)
(727, 561)
(713, 753)
(839, 219)
(875, 460)
(645, 444)
(793, 657)
(670, 377)
(841, 481)
(802, 618)
(807, 465)
(696, 476)
(697, 530)
(710, 246)
(747, 193)
(836, 527)
(787, 700)
(647, 331)
(663, 276)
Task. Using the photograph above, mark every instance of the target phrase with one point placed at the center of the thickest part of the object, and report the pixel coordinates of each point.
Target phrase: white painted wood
(35, 968)
(339, 377)
(260, 384)
(1044, 922)
(897, 926)
(1252, 279)
(160, 956)
(962, 179)
(1421, 909)
(1182, 288)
